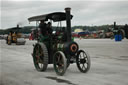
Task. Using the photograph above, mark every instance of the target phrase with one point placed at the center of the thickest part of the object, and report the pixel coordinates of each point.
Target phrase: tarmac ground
(109, 65)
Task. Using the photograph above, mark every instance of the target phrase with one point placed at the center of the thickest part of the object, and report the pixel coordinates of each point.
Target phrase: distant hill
(28, 29)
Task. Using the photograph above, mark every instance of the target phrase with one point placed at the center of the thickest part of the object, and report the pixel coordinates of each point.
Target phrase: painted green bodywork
(45, 40)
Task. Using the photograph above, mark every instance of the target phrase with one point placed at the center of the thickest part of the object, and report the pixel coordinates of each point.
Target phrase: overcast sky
(91, 12)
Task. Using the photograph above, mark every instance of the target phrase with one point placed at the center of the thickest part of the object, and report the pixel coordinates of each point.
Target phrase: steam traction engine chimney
(115, 26)
(68, 23)
(17, 26)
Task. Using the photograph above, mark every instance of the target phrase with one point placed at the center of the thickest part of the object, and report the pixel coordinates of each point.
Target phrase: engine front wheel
(83, 61)
(59, 63)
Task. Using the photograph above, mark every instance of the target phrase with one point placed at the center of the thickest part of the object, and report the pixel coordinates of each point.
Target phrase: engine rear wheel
(60, 63)
(83, 61)
(9, 42)
(40, 57)
(122, 33)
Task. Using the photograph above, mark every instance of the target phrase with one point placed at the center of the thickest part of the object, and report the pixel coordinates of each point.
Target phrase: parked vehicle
(15, 36)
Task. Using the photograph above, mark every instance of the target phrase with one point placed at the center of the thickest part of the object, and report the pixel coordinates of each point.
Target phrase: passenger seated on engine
(49, 28)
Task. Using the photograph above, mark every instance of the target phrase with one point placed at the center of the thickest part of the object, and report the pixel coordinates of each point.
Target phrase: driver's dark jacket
(43, 28)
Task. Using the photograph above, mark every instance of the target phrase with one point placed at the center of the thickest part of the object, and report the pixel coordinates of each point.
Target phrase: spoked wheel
(83, 61)
(40, 57)
(60, 63)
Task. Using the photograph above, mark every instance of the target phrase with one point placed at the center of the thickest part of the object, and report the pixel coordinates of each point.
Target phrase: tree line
(28, 29)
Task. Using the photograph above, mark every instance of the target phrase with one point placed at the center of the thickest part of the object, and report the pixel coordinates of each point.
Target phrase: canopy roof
(56, 16)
